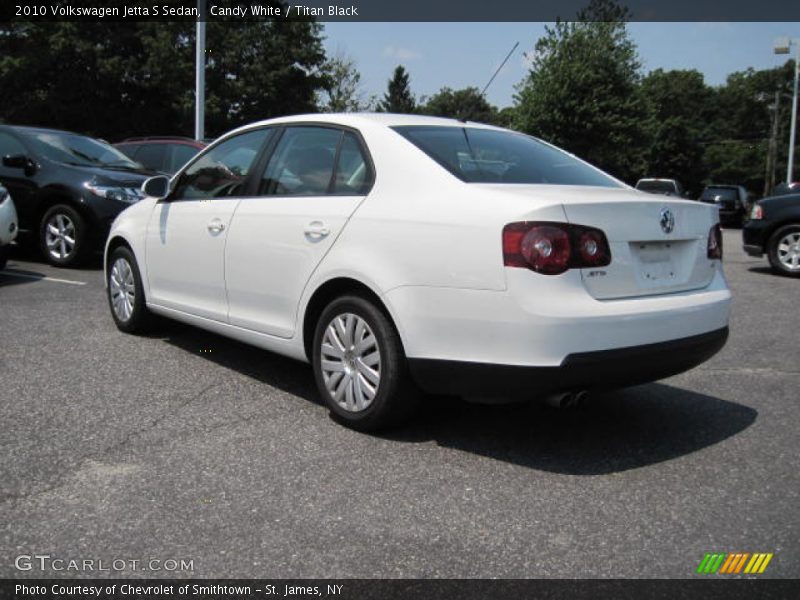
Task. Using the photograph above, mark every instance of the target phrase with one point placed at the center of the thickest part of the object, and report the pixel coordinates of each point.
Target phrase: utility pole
(200, 73)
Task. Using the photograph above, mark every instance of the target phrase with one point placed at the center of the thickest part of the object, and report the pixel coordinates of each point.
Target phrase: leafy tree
(582, 92)
(467, 104)
(113, 80)
(398, 97)
(679, 110)
(342, 92)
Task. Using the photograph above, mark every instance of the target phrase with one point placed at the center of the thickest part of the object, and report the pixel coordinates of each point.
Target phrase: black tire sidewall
(387, 407)
(140, 315)
(772, 250)
(80, 236)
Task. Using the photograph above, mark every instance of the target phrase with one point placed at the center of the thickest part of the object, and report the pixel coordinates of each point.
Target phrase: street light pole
(782, 46)
(790, 167)
(200, 73)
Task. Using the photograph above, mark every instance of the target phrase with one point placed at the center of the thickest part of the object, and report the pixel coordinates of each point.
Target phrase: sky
(459, 55)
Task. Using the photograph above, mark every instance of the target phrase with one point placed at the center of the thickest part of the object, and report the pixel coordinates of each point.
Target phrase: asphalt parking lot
(185, 445)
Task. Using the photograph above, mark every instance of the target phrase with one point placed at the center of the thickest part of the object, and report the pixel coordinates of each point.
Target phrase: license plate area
(655, 262)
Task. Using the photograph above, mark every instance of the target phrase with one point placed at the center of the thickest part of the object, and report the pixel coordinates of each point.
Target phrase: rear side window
(302, 163)
(353, 175)
(152, 156)
(223, 170)
(488, 156)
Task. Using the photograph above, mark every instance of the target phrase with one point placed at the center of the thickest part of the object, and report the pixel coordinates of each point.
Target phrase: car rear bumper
(605, 369)
(753, 250)
(754, 236)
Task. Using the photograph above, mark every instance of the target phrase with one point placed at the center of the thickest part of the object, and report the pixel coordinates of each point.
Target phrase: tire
(783, 250)
(63, 236)
(126, 293)
(381, 394)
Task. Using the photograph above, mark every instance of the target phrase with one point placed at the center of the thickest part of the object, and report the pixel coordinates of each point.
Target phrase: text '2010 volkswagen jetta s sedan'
(401, 254)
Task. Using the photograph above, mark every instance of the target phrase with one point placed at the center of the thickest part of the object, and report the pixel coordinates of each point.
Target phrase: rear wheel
(63, 236)
(360, 366)
(125, 292)
(783, 250)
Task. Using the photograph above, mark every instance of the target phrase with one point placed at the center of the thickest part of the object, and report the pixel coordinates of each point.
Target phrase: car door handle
(216, 226)
(316, 229)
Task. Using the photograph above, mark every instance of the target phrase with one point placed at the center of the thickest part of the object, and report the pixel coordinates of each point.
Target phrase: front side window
(302, 163)
(223, 170)
(10, 146)
(477, 155)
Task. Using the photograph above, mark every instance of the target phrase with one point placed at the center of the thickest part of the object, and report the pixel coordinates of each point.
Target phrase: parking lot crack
(160, 419)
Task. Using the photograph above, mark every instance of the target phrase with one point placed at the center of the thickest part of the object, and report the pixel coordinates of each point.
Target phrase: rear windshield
(488, 156)
(656, 186)
(712, 193)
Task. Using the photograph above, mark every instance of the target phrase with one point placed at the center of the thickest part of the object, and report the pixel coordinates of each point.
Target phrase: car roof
(357, 120)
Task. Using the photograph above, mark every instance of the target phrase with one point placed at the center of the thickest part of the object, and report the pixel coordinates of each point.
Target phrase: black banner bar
(398, 589)
(388, 10)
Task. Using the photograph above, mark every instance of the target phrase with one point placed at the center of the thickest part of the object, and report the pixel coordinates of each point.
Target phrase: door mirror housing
(156, 187)
(20, 161)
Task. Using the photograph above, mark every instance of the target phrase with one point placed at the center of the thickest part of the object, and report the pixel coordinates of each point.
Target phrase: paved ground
(187, 445)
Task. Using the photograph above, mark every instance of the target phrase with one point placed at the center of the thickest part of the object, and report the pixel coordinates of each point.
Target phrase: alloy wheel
(788, 251)
(122, 288)
(60, 236)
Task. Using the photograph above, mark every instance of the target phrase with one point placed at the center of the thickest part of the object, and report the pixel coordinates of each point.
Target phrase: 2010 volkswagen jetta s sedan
(403, 253)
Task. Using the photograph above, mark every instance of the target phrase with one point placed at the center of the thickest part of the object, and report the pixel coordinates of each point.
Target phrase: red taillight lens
(715, 242)
(552, 248)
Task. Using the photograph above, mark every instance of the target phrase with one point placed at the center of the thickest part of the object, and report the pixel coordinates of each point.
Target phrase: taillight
(756, 212)
(552, 248)
(715, 242)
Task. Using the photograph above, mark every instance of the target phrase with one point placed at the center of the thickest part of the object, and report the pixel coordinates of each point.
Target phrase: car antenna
(502, 64)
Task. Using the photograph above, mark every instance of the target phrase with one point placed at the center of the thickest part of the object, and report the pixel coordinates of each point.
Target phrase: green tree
(113, 80)
(582, 92)
(467, 104)
(398, 97)
(679, 110)
(342, 92)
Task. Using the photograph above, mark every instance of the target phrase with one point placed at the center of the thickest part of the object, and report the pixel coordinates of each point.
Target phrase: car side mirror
(156, 187)
(20, 161)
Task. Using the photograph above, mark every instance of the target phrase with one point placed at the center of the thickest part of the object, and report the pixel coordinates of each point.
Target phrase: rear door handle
(216, 226)
(316, 229)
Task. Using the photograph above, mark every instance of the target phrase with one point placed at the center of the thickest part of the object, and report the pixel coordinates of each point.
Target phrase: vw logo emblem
(667, 220)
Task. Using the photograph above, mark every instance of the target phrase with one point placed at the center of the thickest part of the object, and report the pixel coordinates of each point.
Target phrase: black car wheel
(126, 293)
(783, 250)
(360, 366)
(63, 236)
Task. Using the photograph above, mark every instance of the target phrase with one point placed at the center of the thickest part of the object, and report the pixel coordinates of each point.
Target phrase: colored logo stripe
(733, 563)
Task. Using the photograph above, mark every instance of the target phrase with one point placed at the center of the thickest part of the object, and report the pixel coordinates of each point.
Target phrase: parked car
(667, 187)
(786, 188)
(8, 225)
(774, 230)
(67, 188)
(165, 154)
(398, 253)
(733, 202)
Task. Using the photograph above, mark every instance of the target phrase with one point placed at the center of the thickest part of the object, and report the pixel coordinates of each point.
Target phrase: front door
(187, 233)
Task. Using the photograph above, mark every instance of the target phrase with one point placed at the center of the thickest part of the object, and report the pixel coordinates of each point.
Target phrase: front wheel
(63, 236)
(783, 250)
(360, 366)
(126, 293)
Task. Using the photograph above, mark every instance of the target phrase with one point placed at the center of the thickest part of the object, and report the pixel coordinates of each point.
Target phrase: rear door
(314, 180)
(187, 233)
(657, 246)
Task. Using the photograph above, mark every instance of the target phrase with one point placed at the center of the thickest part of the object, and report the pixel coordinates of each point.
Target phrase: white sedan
(401, 254)
(8, 224)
